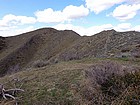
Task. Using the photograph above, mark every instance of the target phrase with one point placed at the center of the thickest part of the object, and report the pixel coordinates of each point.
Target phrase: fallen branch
(16, 89)
(10, 93)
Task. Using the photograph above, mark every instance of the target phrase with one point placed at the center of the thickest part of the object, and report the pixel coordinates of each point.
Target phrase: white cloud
(79, 29)
(73, 12)
(68, 13)
(2, 28)
(123, 27)
(15, 31)
(82, 30)
(11, 20)
(96, 29)
(98, 6)
(133, 1)
(10, 24)
(136, 28)
(49, 16)
(125, 11)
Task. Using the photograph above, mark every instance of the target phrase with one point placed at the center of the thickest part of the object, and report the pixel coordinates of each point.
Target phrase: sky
(86, 17)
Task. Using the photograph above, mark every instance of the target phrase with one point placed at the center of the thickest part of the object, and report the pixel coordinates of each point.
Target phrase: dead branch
(7, 94)
(16, 89)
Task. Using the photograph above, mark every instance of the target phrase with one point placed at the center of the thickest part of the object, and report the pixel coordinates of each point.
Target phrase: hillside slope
(105, 44)
(48, 46)
(26, 48)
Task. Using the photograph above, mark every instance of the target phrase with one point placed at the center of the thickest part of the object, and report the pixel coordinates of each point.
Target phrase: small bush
(99, 73)
(129, 89)
(14, 69)
(39, 63)
(108, 83)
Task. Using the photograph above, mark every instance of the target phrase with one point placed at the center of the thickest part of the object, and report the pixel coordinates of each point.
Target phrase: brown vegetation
(108, 83)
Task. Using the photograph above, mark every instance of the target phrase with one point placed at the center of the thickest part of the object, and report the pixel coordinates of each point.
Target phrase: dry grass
(54, 84)
(65, 83)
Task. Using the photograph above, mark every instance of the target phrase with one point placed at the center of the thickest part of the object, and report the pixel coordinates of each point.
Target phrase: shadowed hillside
(33, 46)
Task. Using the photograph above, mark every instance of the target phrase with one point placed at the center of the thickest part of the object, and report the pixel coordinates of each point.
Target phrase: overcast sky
(86, 17)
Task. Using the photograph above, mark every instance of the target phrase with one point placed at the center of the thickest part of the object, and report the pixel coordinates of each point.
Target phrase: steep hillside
(48, 46)
(2, 43)
(105, 44)
(33, 46)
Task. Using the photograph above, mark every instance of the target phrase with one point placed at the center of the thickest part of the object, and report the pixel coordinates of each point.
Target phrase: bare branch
(10, 96)
(16, 89)
(10, 93)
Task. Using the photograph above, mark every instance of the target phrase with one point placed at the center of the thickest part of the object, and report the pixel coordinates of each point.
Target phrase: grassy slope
(103, 44)
(34, 46)
(58, 84)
